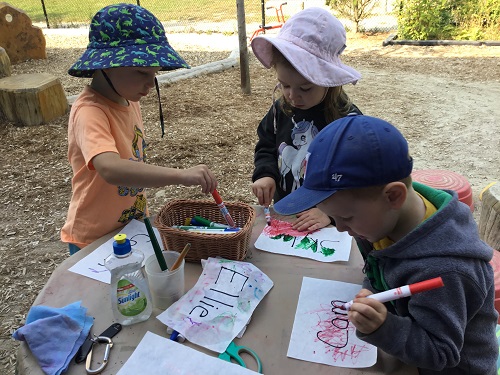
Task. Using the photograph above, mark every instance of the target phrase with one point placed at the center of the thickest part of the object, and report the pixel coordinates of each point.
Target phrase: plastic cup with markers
(166, 286)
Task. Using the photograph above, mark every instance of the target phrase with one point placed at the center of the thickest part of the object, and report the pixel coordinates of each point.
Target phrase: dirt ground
(445, 100)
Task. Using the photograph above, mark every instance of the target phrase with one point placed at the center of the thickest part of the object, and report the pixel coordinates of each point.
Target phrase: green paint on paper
(284, 237)
(326, 251)
(307, 243)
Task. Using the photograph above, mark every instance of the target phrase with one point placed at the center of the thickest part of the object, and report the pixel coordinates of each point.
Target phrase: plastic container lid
(446, 180)
(121, 244)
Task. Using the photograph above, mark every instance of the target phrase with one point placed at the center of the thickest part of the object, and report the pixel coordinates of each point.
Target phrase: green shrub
(354, 10)
(425, 19)
(449, 19)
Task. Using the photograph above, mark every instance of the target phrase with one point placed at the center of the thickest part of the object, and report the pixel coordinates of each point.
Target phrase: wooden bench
(32, 99)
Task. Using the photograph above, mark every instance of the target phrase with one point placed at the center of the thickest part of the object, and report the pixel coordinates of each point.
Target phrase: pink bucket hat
(312, 41)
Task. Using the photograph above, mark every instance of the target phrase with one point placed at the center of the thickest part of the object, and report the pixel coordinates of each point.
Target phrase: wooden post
(32, 99)
(242, 38)
(489, 220)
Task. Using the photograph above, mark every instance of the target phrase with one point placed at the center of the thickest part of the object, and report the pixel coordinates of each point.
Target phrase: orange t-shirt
(97, 125)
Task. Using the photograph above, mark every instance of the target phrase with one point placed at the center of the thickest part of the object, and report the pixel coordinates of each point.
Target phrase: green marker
(208, 223)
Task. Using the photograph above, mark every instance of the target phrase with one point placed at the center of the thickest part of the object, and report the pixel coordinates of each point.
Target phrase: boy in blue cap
(106, 144)
(359, 173)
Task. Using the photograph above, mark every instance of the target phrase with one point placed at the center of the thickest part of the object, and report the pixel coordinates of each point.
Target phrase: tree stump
(32, 99)
(5, 67)
(489, 219)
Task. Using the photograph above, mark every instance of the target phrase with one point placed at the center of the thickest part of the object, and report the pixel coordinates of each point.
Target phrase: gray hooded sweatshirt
(449, 330)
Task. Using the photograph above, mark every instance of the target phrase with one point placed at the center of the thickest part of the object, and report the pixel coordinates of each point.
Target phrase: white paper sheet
(220, 305)
(322, 333)
(156, 355)
(93, 264)
(324, 245)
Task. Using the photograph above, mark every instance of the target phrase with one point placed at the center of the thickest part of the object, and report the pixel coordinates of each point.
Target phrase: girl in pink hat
(306, 57)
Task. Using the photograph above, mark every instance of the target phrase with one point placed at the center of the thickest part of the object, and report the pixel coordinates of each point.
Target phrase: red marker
(401, 292)
(223, 208)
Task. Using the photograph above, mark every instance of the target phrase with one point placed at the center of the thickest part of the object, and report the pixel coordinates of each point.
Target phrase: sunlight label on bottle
(131, 300)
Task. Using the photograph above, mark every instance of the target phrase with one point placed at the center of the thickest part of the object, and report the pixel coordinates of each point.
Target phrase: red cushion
(447, 180)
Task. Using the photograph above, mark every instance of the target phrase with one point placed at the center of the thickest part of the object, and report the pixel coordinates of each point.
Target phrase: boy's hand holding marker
(223, 208)
(367, 314)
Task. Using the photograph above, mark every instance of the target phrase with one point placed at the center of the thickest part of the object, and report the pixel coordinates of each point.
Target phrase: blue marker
(199, 228)
(174, 335)
(214, 230)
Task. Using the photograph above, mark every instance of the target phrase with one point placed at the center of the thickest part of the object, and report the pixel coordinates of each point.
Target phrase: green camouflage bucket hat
(126, 35)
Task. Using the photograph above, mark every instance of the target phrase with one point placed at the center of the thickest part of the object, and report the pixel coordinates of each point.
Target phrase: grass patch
(62, 13)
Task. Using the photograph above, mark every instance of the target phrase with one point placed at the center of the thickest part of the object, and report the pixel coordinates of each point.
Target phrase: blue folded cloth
(55, 334)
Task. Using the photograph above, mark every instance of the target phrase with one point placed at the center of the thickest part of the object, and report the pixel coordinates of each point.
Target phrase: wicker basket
(232, 246)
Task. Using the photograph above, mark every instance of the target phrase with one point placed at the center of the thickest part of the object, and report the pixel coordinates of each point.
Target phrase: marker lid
(426, 285)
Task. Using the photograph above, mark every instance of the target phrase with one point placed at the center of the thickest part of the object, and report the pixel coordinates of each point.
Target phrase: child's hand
(367, 314)
(264, 189)
(200, 175)
(310, 220)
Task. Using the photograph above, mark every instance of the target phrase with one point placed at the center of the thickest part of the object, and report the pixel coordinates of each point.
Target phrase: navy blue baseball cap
(352, 152)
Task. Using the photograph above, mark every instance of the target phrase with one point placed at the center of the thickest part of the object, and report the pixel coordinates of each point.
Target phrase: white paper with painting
(220, 305)
(321, 331)
(324, 245)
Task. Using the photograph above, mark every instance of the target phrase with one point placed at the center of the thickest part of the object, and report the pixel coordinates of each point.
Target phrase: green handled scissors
(233, 352)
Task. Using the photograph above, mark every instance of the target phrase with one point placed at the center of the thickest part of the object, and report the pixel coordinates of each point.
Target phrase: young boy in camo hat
(106, 143)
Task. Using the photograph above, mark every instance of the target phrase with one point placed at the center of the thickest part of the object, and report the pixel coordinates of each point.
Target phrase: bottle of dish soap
(130, 297)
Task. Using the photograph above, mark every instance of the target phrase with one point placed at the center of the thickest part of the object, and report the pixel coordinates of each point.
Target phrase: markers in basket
(223, 208)
(192, 221)
(215, 231)
(197, 227)
(403, 291)
(207, 223)
(194, 229)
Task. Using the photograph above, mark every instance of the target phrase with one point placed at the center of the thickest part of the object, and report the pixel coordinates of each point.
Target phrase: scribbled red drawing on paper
(322, 332)
(334, 331)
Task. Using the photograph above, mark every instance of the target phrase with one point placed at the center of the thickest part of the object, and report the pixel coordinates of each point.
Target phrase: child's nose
(150, 83)
(294, 94)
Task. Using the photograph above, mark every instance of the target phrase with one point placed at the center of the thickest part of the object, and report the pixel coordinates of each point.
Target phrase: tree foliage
(354, 10)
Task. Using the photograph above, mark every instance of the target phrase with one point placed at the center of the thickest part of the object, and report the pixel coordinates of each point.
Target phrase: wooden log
(5, 67)
(32, 99)
(489, 219)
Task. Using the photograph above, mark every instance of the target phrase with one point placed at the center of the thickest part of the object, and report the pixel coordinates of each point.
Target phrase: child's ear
(395, 193)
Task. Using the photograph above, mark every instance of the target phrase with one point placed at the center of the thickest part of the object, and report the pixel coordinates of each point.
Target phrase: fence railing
(202, 16)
